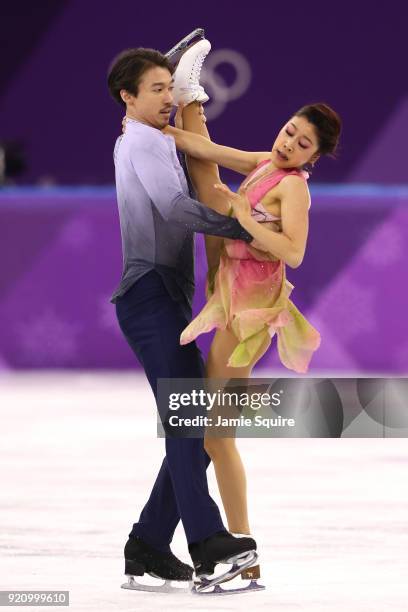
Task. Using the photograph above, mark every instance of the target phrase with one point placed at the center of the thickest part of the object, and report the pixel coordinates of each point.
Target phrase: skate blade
(184, 42)
(239, 563)
(218, 590)
(166, 587)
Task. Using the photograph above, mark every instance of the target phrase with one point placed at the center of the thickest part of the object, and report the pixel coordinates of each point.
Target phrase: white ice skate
(210, 585)
(187, 86)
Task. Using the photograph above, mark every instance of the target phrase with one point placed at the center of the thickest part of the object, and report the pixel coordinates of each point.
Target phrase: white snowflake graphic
(107, 316)
(77, 233)
(350, 308)
(386, 247)
(48, 340)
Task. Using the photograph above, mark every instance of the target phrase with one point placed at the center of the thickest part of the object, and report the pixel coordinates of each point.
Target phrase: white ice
(79, 454)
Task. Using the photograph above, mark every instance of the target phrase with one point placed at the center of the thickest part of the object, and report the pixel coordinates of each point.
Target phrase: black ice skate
(141, 558)
(175, 52)
(224, 548)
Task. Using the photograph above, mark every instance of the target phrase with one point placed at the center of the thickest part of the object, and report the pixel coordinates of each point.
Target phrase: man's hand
(202, 114)
(239, 201)
(178, 117)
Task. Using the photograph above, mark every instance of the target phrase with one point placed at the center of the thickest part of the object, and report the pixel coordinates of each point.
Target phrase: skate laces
(196, 69)
(192, 87)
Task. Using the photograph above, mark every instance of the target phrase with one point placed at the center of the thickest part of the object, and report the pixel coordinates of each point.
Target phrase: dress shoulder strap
(261, 188)
(255, 171)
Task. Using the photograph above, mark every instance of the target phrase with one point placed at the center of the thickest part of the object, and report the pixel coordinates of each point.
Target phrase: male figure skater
(153, 303)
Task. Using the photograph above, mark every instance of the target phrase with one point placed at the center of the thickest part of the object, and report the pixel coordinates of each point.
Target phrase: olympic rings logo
(219, 91)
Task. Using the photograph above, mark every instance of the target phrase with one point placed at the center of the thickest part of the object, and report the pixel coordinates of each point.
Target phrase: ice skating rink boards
(79, 454)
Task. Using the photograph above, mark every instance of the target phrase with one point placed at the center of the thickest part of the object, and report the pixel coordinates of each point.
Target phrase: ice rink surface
(79, 454)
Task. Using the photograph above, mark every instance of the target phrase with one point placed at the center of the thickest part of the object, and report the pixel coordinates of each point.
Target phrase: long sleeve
(153, 165)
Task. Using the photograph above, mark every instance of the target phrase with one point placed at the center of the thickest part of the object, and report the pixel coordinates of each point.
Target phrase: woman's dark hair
(327, 124)
(127, 69)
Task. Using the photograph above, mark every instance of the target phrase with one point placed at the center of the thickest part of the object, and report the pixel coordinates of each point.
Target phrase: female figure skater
(247, 291)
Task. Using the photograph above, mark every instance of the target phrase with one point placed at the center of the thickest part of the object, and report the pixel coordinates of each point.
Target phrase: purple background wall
(60, 249)
(53, 94)
(55, 310)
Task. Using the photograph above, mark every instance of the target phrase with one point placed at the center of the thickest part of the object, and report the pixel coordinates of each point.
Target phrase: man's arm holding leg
(153, 165)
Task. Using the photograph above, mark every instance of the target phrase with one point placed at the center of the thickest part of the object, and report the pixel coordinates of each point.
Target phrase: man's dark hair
(127, 69)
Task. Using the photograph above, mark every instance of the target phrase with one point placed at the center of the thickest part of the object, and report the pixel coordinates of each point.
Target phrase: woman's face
(296, 144)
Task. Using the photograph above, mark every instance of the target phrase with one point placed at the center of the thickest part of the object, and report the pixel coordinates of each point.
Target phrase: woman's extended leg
(228, 466)
(203, 175)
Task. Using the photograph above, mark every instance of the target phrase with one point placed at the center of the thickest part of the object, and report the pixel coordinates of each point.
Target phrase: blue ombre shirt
(158, 218)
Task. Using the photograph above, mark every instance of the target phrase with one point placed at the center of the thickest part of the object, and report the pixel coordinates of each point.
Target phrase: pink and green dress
(250, 295)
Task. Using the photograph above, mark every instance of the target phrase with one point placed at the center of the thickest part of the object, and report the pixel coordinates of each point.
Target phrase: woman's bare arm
(201, 148)
(290, 244)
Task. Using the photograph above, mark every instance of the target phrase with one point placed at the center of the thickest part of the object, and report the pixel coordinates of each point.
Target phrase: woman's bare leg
(224, 454)
(228, 465)
(203, 175)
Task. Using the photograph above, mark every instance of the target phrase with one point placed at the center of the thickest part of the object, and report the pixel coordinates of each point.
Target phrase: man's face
(154, 100)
